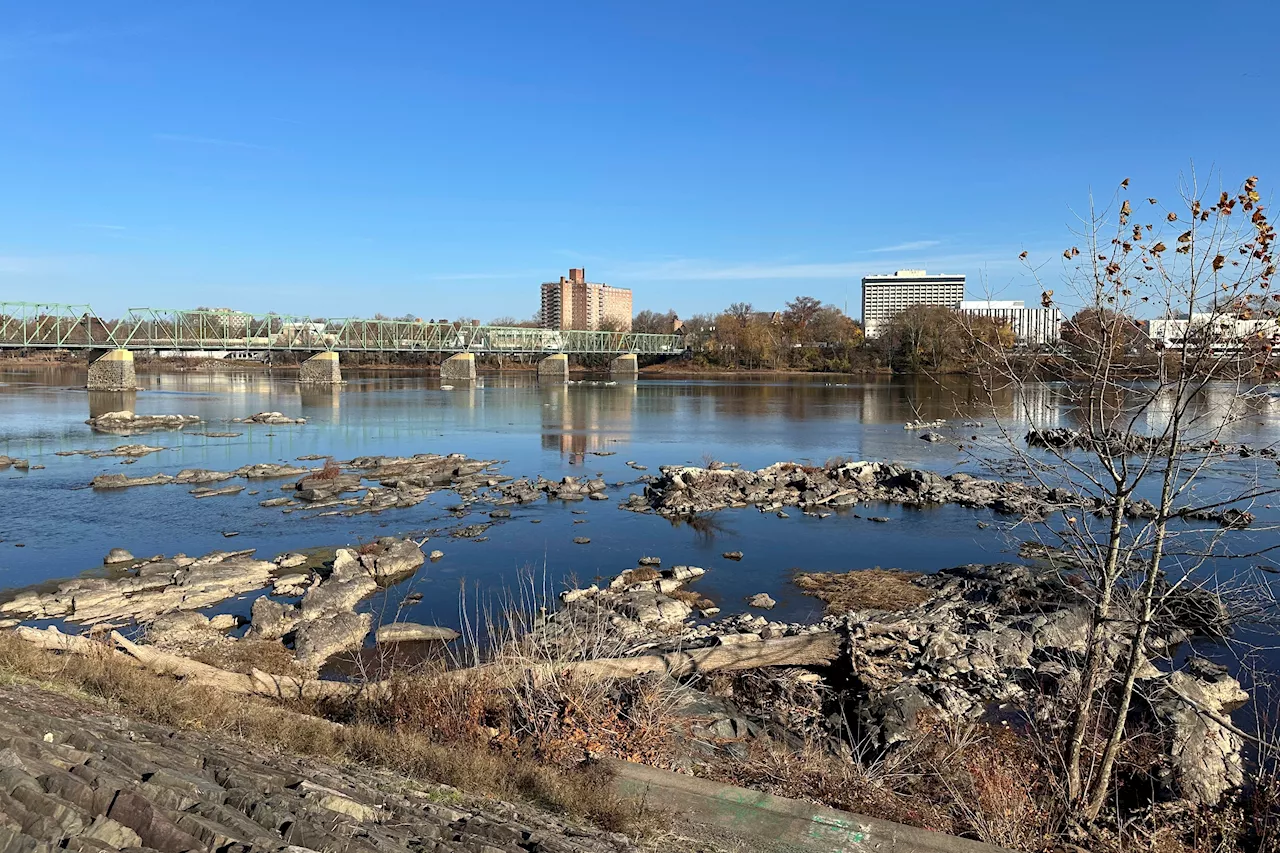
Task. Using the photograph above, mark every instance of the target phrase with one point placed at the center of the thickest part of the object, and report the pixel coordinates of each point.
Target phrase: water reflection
(578, 419)
(317, 398)
(102, 402)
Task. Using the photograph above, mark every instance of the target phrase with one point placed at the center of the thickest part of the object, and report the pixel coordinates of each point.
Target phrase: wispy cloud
(100, 226)
(909, 246)
(209, 140)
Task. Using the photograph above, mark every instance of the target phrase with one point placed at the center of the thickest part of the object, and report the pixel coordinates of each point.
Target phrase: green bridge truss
(61, 326)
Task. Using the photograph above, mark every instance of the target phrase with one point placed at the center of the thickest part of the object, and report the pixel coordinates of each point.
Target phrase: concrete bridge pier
(458, 368)
(111, 370)
(554, 368)
(321, 369)
(624, 367)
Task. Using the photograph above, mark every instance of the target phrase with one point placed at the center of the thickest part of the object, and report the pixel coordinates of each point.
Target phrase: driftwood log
(805, 650)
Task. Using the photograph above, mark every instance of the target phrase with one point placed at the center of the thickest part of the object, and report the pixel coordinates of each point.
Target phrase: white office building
(1030, 326)
(884, 296)
(1223, 332)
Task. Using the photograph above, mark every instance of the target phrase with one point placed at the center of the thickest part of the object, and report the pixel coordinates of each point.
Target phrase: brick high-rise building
(575, 303)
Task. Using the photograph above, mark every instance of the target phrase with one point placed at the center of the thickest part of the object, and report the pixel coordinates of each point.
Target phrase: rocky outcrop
(88, 779)
(269, 418)
(124, 481)
(127, 423)
(683, 491)
(132, 451)
(146, 590)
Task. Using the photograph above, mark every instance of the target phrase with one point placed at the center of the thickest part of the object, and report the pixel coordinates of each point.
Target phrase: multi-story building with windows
(883, 296)
(575, 303)
(1031, 327)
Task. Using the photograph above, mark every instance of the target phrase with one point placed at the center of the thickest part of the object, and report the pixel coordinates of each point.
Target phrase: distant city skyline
(436, 160)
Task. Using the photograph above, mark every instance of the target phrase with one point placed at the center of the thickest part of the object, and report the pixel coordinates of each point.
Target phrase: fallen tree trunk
(804, 650)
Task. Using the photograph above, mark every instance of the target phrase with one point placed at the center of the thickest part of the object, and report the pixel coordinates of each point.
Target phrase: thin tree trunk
(1093, 655)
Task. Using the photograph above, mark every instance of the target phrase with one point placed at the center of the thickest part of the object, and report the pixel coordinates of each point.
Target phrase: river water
(53, 527)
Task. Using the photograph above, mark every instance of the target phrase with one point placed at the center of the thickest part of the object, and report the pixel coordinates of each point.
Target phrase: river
(52, 526)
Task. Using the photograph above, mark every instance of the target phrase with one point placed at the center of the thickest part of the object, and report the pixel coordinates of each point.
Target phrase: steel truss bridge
(33, 325)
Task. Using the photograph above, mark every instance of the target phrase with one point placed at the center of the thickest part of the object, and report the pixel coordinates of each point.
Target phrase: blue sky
(441, 159)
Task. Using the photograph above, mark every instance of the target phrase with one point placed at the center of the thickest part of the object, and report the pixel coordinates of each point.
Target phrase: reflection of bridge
(28, 325)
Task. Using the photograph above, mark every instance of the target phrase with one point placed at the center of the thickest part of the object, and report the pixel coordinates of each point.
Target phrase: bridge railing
(59, 325)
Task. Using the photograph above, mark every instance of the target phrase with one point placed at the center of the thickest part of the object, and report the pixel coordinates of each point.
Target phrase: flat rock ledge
(77, 778)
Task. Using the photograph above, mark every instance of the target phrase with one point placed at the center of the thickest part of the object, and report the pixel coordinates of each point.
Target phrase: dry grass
(330, 471)
(368, 735)
(864, 589)
(979, 782)
(641, 574)
(248, 654)
(696, 600)
(371, 548)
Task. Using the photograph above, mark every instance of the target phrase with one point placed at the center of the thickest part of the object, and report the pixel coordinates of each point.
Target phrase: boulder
(116, 556)
(317, 640)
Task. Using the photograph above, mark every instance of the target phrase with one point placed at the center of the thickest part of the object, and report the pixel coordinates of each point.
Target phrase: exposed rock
(317, 640)
(762, 600)
(205, 492)
(191, 476)
(127, 423)
(86, 781)
(147, 590)
(268, 471)
(581, 540)
(401, 632)
(132, 451)
(271, 418)
(436, 555)
(290, 561)
(732, 555)
(117, 555)
(124, 481)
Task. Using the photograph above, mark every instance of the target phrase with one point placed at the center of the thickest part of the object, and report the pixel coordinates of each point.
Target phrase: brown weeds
(864, 589)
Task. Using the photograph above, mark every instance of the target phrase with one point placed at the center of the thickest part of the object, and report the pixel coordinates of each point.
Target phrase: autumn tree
(1144, 498)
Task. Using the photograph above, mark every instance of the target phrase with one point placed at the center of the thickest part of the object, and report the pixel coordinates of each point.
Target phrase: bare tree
(1136, 514)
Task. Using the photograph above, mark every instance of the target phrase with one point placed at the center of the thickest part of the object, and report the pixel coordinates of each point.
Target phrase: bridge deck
(61, 326)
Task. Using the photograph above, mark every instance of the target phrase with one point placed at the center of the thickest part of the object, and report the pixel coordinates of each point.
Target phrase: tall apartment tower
(883, 296)
(575, 303)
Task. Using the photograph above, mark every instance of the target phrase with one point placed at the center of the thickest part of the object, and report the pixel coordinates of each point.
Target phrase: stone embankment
(683, 491)
(77, 778)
